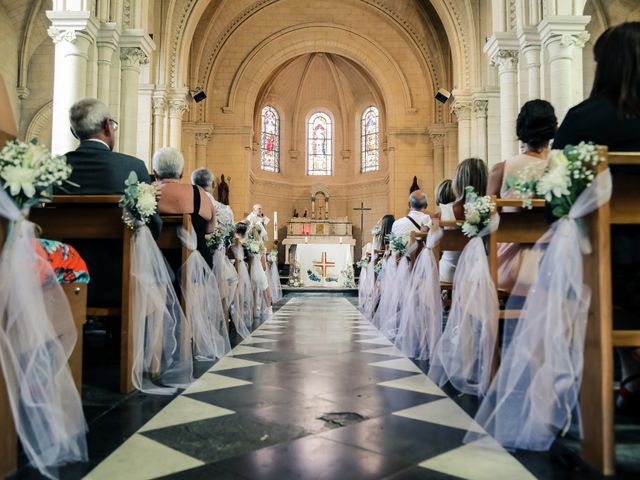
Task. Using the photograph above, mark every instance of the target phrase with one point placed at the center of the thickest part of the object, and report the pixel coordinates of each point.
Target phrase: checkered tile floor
(314, 393)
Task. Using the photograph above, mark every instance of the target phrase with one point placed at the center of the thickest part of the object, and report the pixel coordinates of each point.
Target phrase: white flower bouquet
(397, 243)
(139, 202)
(569, 173)
(363, 262)
(29, 172)
(273, 256)
(214, 240)
(253, 240)
(477, 212)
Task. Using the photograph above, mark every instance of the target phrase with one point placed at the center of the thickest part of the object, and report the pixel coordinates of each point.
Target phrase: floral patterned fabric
(65, 261)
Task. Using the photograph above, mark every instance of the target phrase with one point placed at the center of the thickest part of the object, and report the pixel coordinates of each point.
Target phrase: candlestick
(275, 226)
(306, 239)
(340, 239)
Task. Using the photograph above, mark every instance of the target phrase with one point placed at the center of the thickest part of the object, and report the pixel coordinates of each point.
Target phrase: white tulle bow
(535, 392)
(37, 336)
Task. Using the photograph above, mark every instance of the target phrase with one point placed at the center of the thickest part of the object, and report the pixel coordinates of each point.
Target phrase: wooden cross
(324, 264)
(362, 210)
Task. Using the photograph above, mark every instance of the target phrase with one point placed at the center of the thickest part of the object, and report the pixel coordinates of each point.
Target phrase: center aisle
(314, 393)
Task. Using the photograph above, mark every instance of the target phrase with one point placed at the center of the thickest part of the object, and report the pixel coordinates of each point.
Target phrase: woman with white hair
(179, 198)
(205, 179)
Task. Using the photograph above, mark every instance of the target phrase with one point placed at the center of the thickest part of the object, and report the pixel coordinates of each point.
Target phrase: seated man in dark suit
(98, 170)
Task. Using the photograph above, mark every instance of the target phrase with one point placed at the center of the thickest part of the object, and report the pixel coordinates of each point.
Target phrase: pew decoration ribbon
(421, 316)
(397, 243)
(464, 353)
(367, 288)
(139, 202)
(37, 336)
(162, 336)
(221, 237)
(227, 278)
(243, 301)
(274, 276)
(29, 172)
(203, 306)
(534, 395)
(478, 211)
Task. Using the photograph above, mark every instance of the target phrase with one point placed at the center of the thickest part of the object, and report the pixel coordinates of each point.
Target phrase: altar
(319, 249)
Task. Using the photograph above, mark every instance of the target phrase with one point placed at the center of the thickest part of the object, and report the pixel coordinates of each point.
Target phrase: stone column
(72, 33)
(131, 58)
(480, 107)
(159, 103)
(202, 140)
(437, 135)
(562, 36)
(107, 44)
(507, 62)
(493, 127)
(461, 108)
(530, 47)
(177, 107)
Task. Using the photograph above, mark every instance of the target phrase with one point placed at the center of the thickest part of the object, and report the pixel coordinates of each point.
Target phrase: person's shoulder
(597, 105)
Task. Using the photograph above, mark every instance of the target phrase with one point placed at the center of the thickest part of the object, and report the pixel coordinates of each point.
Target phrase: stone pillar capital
(108, 36)
(202, 138)
(437, 138)
(505, 60)
(559, 33)
(461, 109)
(480, 107)
(132, 58)
(59, 35)
(67, 26)
(177, 107)
(159, 103)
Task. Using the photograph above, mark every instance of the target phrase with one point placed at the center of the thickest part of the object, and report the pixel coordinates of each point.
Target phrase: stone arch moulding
(302, 39)
(40, 122)
(189, 13)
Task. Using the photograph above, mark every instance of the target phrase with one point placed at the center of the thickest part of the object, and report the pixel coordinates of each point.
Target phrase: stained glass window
(319, 144)
(370, 134)
(270, 144)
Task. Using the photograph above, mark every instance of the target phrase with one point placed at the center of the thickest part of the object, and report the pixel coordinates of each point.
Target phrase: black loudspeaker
(198, 95)
(442, 95)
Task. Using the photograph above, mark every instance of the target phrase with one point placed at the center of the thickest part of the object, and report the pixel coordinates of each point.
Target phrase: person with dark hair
(386, 224)
(470, 172)
(611, 116)
(444, 192)
(535, 127)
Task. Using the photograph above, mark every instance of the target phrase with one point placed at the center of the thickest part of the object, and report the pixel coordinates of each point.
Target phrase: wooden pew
(597, 393)
(95, 217)
(8, 436)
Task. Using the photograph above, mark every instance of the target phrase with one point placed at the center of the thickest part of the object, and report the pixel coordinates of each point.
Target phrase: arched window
(370, 135)
(319, 144)
(270, 142)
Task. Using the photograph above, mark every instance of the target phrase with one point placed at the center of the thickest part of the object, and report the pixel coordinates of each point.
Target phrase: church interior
(282, 309)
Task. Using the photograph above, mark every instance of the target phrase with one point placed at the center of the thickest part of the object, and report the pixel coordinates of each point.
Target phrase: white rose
(35, 156)
(20, 178)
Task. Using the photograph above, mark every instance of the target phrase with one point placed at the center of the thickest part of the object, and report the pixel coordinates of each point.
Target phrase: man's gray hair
(418, 200)
(168, 162)
(202, 177)
(87, 117)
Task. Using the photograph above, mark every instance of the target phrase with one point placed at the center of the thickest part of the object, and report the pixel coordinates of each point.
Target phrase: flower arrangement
(139, 202)
(524, 185)
(294, 277)
(376, 230)
(363, 262)
(221, 237)
(272, 256)
(29, 172)
(378, 268)
(569, 173)
(477, 212)
(397, 243)
(348, 275)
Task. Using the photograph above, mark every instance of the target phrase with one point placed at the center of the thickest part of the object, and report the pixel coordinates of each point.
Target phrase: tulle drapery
(367, 288)
(242, 311)
(534, 395)
(162, 336)
(274, 282)
(203, 307)
(259, 284)
(226, 276)
(37, 336)
(420, 324)
(386, 280)
(464, 354)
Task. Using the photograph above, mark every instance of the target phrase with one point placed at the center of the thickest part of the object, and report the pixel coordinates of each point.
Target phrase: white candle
(275, 226)
(306, 239)
(340, 239)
